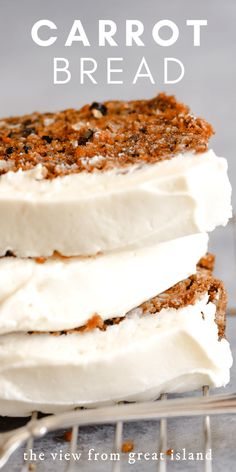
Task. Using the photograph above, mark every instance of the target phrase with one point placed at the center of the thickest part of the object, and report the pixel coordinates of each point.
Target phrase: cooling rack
(162, 410)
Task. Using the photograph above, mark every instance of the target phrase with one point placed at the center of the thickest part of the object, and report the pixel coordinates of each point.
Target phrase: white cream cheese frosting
(88, 213)
(136, 360)
(64, 293)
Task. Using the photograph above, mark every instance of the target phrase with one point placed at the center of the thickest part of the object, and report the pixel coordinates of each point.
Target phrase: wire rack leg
(207, 434)
(72, 447)
(29, 446)
(163, 439)
(116, 466)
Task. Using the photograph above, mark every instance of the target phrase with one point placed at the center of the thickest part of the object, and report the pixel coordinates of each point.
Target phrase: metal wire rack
(162, 410)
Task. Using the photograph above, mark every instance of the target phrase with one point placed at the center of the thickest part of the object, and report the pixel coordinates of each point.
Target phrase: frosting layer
(89, 213)
(138, 359)
(64, 293)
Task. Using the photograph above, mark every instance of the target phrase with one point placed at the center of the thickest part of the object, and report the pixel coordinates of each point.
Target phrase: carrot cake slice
(109, 176)
(173, 343)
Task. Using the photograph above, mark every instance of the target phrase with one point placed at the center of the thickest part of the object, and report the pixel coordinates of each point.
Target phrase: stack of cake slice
(107, 292)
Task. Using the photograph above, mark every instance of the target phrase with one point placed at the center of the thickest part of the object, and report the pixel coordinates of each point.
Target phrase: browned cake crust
(123, 133)
(184, 293)
(188, 291)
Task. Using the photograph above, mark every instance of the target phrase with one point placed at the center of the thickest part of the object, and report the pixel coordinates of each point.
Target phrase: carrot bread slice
(173, 343)
(110, 175)
(121, 133)
(36, 294)
(184, 293)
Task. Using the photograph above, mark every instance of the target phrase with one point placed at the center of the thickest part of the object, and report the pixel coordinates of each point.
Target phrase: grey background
(208, 87)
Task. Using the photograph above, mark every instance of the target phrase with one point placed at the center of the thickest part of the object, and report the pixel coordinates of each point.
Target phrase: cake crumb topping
(101, 136)
(127, 446)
